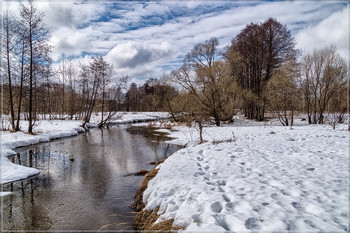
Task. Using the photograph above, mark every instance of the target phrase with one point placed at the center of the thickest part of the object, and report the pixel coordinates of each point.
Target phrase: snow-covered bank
(257, 178)
(132, 117)
(45, 130)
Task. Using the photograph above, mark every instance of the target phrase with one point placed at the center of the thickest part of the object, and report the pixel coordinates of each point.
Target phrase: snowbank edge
(145, 220)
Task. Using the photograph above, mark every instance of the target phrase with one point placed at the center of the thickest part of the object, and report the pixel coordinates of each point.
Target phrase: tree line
(260, 71)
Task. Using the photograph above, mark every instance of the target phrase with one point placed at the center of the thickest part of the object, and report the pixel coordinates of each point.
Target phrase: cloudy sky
(146, 39)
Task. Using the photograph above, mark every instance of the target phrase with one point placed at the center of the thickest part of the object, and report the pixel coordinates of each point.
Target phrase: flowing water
(86, 182)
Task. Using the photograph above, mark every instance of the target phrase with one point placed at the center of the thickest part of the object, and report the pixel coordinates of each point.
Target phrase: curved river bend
(91, 193)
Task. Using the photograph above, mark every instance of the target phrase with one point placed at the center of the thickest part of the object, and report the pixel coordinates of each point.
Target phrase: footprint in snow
(221, 182)
(291, 227)
(285, 193)
(198, 174)
(226, 198)
(310, 169)
(252, 224)
(216, 207)
(296, 205)
(311, 224)
(243, 163)
(229, 206)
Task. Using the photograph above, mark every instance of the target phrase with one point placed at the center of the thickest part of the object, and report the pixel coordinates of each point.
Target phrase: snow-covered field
(255, 178)
(45, 131)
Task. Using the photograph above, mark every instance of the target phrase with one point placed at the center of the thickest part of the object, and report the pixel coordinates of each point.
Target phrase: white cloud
(332, 30)
(145, 50)
(69, 42)
(70, 14)
(139, 59)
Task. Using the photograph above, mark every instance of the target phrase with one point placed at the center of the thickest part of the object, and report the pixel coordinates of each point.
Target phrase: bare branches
(206, 80)
(262, 48)
(324, 75)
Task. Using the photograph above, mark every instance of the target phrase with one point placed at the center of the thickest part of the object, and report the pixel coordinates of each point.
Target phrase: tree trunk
(30, 110)
(20, 94)
(12, 112)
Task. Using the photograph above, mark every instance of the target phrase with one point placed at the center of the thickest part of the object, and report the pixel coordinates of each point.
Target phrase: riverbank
(47, 130)
(254, 178)
(146, 220)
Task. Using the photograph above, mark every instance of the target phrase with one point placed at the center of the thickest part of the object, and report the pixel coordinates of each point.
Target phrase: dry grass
(138, 204)
(141, 173)
(145, 219)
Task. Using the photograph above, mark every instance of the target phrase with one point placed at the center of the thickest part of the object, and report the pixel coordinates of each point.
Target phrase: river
(86, 182)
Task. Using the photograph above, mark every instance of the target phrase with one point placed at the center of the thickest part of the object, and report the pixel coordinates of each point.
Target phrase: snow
(44, 131)
(131, 117)
(2, 194)
(255, 178)
(47, 130)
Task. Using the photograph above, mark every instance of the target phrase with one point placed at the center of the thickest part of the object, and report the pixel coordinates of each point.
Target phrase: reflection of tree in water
(94, 170)
(21, 211)
(87, 193)
(155, 140)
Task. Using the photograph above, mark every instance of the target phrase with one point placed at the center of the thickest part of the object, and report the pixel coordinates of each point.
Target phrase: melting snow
(45, 131)
(255, 179)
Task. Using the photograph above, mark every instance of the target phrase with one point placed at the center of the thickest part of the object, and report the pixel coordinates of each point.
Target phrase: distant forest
(260, 71)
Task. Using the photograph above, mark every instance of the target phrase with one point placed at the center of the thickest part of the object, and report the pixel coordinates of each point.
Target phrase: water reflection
(83, 184)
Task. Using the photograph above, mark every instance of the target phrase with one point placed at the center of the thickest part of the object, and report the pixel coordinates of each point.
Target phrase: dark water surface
(91, 193)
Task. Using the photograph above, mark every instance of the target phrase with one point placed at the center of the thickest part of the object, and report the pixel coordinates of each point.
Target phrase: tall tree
(21, 53)
(103, 71)
(8, 31)
(283, 93)
(37, 40)
(132, 98)
(62, 73)
(261, 48)
(323, 75)
(71, 75)
(206, 79)
(91, 84)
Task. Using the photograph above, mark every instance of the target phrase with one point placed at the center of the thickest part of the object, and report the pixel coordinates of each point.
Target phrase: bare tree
(91, 84)
(283, 94)
(96, 78)
(132, 98)
(21, 60)
(323, 75)
(71, 75)
(206, 79)
(261, 49)
(36, 38)
(8, 31)
(166, 93)
(62, 72)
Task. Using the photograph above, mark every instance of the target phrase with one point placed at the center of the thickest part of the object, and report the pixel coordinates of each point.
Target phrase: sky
(148, 39)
